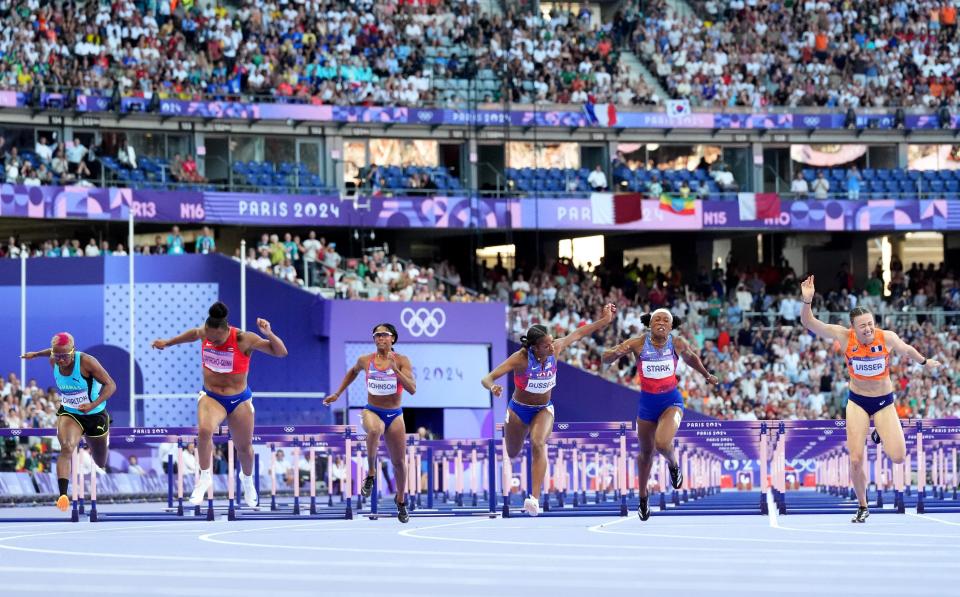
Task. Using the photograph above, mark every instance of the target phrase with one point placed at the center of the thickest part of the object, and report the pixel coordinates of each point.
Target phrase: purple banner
(837, 215)
(589, 213)
(384, 212)
(18, 201)
(574, 116)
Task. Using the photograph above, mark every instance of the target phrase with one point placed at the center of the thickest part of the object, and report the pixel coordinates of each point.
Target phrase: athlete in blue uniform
(387, 375)
(530, 410)
(83, 386)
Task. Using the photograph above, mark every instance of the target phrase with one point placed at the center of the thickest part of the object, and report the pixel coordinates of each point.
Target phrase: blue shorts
(651, 406)
(230, 403)
(526, 412)
(387, 415)
(871, 404)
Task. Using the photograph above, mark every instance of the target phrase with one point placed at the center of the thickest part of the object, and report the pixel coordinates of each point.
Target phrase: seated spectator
(29, 176)
(61, 168)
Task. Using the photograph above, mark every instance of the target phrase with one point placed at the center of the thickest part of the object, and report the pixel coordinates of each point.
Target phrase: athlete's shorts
(387, 415)
(229, 403)
(526, 412)
(96, 425)
(871, 404)
(651, 406)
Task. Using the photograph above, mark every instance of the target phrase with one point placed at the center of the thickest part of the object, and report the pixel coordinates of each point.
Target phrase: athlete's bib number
(541, 386)
(218, 361)
(74, 399)
(870, 367)
(382, 387)
(657, 369)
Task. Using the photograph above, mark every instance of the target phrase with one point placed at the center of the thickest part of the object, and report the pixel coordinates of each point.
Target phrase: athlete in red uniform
(225, 356)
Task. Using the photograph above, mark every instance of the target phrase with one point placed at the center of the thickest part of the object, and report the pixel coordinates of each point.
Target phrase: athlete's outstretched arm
(809, 321)
(513, 362)
(191, 335)
(693, 360)
(351, 375)
(271, 345)
(620, 350)
(39, 353)
(609, 313)
(896, 343)
(90, 366)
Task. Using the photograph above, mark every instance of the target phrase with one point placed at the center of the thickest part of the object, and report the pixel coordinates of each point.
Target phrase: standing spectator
(76, 156)
(43, 150)
(331, 261)
(656, 188)
(311, 252)
(205, 243)
(799, 186)
(821, 186)
(92, 250)
(175, 244)
(853, 183)
(597, 179)
(126, 155)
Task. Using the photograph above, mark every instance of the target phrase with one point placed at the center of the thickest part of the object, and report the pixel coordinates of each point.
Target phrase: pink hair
(62, 339)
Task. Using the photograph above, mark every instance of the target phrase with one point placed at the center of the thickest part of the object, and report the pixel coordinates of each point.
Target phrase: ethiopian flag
(677, 205)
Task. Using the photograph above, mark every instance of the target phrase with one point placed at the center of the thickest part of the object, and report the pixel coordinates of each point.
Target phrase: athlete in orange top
(867, 350)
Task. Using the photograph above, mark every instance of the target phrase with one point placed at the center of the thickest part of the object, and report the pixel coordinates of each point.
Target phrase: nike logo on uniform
(100, 427)
(234, 401)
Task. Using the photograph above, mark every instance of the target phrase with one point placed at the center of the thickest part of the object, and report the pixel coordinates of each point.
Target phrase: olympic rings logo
(840, 423)
(593, 434)
(289, 429)
(563, 426)
(130, 439)
(14, 432)
(422, 321)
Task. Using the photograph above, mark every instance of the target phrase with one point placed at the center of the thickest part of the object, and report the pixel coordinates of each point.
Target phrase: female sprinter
(660, 407)
(83, 386)
(387, 375)
(867, 350)
(225, 356)
(530, 411)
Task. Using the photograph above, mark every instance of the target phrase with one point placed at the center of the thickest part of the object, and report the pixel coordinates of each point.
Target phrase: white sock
(244, 478)
(206, 473)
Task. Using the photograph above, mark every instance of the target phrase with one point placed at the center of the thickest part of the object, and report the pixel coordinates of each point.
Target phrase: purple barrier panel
(47, 482)
(836, 215)
(10, 484)
(341, 430)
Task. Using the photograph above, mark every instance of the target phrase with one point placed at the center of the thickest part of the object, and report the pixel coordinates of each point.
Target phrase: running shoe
(644, 510)
(367, 488)
(63, 503)
(531, 506)
(402, 514)
(200, 490)
(676, 477)
(862, 513)
(249, 491)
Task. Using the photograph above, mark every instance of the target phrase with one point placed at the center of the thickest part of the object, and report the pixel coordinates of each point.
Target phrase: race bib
(658, 369)
(74, 399)
(382, 387)
(541, 386)
(218, 361)
(870, 367)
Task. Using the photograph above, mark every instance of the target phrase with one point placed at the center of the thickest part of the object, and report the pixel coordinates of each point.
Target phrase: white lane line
(934, 518)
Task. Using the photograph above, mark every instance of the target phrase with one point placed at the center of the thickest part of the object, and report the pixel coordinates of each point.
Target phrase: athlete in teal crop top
(83, 386)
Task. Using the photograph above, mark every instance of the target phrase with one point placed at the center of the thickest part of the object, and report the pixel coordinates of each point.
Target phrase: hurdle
(936, 445)
(313, 439)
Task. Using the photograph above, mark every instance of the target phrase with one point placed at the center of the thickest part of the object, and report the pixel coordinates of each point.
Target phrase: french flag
(601, 114)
